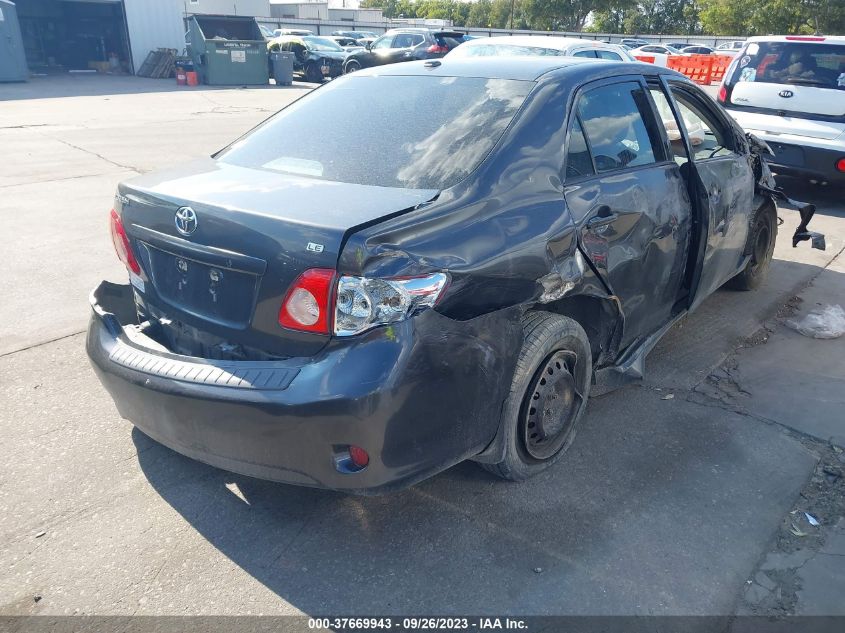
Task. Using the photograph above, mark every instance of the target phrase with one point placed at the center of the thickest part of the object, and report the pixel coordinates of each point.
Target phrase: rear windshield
(798, 63)
(408, 131)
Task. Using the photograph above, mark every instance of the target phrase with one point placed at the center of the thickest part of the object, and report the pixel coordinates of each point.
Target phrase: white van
(790, 91)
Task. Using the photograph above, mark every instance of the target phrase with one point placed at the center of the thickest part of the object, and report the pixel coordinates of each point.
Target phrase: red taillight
(723, 94)
(121, 244)
(805, 38)
(437, 48)
(359, 456)
(840, 165)
(307, 304)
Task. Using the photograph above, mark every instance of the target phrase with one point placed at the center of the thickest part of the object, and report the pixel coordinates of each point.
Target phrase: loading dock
(63, 35)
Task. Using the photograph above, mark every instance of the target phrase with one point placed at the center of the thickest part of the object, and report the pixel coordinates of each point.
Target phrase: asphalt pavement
(681, 495)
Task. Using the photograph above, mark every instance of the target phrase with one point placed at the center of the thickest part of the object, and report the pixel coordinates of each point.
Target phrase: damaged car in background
(308, 307)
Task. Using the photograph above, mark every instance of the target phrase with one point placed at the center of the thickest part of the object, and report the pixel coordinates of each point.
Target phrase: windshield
(321, 44)
(672, 49)
(502, 50)
(391, 144)
(798, 63)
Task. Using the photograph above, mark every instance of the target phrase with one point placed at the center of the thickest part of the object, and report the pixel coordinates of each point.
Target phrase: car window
(578, 161)
(651, 49)
(670, 124)
(798, 63)
(588, 53)
(464, 119)
(383, 42)
(407, 40)
(707, 135)
(602, 54)
(613, 122)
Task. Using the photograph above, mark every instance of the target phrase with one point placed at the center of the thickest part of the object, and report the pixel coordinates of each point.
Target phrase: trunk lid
(248, 235)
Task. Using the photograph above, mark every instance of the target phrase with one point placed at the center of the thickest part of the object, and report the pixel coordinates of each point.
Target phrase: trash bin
(227, 50)
(282, 63)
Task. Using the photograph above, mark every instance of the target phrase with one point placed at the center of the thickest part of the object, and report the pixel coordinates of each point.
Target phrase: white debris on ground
(826, 322)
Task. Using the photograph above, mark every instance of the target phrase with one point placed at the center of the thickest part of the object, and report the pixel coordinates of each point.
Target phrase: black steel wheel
(761, 247)
(551, 406)
(548, 396)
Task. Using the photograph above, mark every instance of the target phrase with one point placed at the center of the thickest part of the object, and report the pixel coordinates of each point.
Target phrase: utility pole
(512, 4)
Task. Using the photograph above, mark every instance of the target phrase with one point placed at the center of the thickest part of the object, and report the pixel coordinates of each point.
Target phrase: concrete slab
(795, 380)
(131, 527)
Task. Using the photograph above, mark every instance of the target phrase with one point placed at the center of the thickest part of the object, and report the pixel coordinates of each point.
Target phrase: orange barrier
(719, 66)
(649, 59)
(696, 67)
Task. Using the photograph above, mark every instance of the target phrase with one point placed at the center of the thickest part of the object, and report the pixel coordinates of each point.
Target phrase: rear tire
(762, 238)
(548, 395)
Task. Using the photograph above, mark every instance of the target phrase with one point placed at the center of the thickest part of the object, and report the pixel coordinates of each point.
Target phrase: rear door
(629, 201)
(723, 182)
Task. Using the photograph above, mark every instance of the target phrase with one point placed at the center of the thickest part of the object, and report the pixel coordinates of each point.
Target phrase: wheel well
(599, 317)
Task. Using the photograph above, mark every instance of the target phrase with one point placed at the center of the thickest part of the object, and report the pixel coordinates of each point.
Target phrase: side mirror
(369, 45)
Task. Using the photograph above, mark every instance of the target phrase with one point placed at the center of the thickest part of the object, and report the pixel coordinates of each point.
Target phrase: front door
(724, 185)
(629, 201)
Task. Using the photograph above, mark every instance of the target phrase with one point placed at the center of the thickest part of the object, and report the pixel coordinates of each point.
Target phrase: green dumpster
(227, 50)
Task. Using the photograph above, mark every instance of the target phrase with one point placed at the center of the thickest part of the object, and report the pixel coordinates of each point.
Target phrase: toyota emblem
(786, 94)
(186, 220)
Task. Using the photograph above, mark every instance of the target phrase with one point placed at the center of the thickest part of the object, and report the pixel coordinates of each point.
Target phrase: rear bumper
(797, 155)
(418, 397)
(806, 161)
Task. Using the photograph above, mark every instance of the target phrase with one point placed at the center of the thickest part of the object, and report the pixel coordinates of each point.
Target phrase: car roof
(523, 68)
(544, 41)
(815, 39)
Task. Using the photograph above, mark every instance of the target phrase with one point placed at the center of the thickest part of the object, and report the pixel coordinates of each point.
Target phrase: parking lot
(681, 495)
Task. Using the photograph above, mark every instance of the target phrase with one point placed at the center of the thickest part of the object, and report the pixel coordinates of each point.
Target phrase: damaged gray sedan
(309, 307)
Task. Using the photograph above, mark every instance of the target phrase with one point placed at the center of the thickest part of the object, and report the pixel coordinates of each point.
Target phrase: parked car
(632, 42)
(283, 32)
(790, 91)
(510, 45)
(678, 45)
(730, 48)
(315, 58)
(346, 43)
(660, 52)
(356, 35)
(404, 45)
(697, 50)
(308, 307)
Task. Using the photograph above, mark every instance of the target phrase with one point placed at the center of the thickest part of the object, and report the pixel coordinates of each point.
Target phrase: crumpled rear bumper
(418, 397)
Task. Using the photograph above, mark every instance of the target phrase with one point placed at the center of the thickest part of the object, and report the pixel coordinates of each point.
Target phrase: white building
(338, 10)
